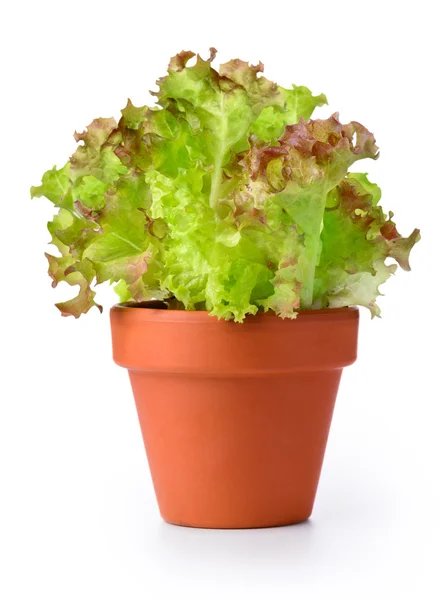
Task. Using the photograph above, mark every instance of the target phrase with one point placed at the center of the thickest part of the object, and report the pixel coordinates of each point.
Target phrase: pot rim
(160, 341)
(148, 313)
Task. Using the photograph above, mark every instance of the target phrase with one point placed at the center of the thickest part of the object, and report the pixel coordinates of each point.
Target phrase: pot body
(235, 417)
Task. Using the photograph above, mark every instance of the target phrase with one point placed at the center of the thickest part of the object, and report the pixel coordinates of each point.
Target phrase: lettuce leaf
(356, 240)
(224, 197)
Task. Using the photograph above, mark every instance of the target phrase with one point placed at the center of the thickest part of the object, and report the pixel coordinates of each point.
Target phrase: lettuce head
(226, 197)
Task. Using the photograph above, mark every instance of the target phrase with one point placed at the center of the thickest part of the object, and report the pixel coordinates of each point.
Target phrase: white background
(78, 518)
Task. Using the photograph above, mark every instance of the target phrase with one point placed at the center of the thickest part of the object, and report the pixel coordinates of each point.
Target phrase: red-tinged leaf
(133, 116)
(180, 60)
(400, 247)
(74, 273)
(96, 133)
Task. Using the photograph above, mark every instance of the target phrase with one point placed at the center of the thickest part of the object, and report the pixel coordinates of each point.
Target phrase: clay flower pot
(235, 417)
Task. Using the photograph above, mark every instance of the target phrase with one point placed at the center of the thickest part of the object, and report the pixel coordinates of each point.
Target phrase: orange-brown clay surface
(235, 417)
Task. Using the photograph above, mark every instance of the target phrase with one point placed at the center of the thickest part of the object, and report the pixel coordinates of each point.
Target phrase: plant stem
(220, 150)
(311, 256)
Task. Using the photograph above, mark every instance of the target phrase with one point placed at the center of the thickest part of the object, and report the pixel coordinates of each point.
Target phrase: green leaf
(91, 192)
(297, 176)
(223, 104)
(55, 184)
(356, 240)
(300, 103)
(133, 116)
(360, 288)
(297, 103)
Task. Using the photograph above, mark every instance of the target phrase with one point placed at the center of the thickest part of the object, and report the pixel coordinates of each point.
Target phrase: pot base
(228, 527)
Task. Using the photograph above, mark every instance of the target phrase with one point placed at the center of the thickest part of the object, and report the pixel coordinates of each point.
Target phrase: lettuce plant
(223, 197)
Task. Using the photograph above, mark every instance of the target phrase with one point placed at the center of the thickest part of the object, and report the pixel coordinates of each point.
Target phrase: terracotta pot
(235, 417)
